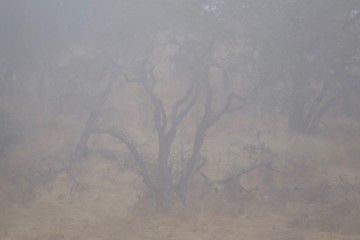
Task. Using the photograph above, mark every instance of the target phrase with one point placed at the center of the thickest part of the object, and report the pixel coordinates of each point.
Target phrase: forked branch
(125, 139)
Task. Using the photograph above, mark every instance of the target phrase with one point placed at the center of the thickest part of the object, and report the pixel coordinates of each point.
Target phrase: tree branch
(159, 114)
(139, 161)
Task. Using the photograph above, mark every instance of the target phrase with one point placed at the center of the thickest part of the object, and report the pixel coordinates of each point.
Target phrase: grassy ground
(312, 191)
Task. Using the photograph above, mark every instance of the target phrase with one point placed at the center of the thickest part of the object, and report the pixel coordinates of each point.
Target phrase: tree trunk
(80, 149)
(164, 184)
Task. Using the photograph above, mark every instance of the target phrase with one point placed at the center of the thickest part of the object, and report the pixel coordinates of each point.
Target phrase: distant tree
(311, 48)
(34, 39)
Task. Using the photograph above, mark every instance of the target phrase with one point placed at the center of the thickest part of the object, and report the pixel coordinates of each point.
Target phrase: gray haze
(182, 110)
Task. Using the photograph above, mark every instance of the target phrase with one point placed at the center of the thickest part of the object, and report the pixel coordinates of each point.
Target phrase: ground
(104, 200)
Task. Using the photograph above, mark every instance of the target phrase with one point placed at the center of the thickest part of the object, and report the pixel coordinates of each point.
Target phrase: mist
(176, 119)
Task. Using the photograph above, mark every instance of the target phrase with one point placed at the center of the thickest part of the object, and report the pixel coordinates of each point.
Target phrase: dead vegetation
(310, 184)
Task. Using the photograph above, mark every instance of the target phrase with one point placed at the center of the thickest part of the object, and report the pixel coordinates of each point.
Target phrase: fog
(179, 119)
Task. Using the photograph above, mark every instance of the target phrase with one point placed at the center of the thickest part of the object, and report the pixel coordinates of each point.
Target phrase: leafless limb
(129, 143)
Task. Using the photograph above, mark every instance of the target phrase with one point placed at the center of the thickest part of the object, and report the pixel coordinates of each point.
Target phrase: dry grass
(303, 197)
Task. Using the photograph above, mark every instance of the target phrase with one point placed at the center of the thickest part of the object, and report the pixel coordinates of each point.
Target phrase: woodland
(179, 119)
